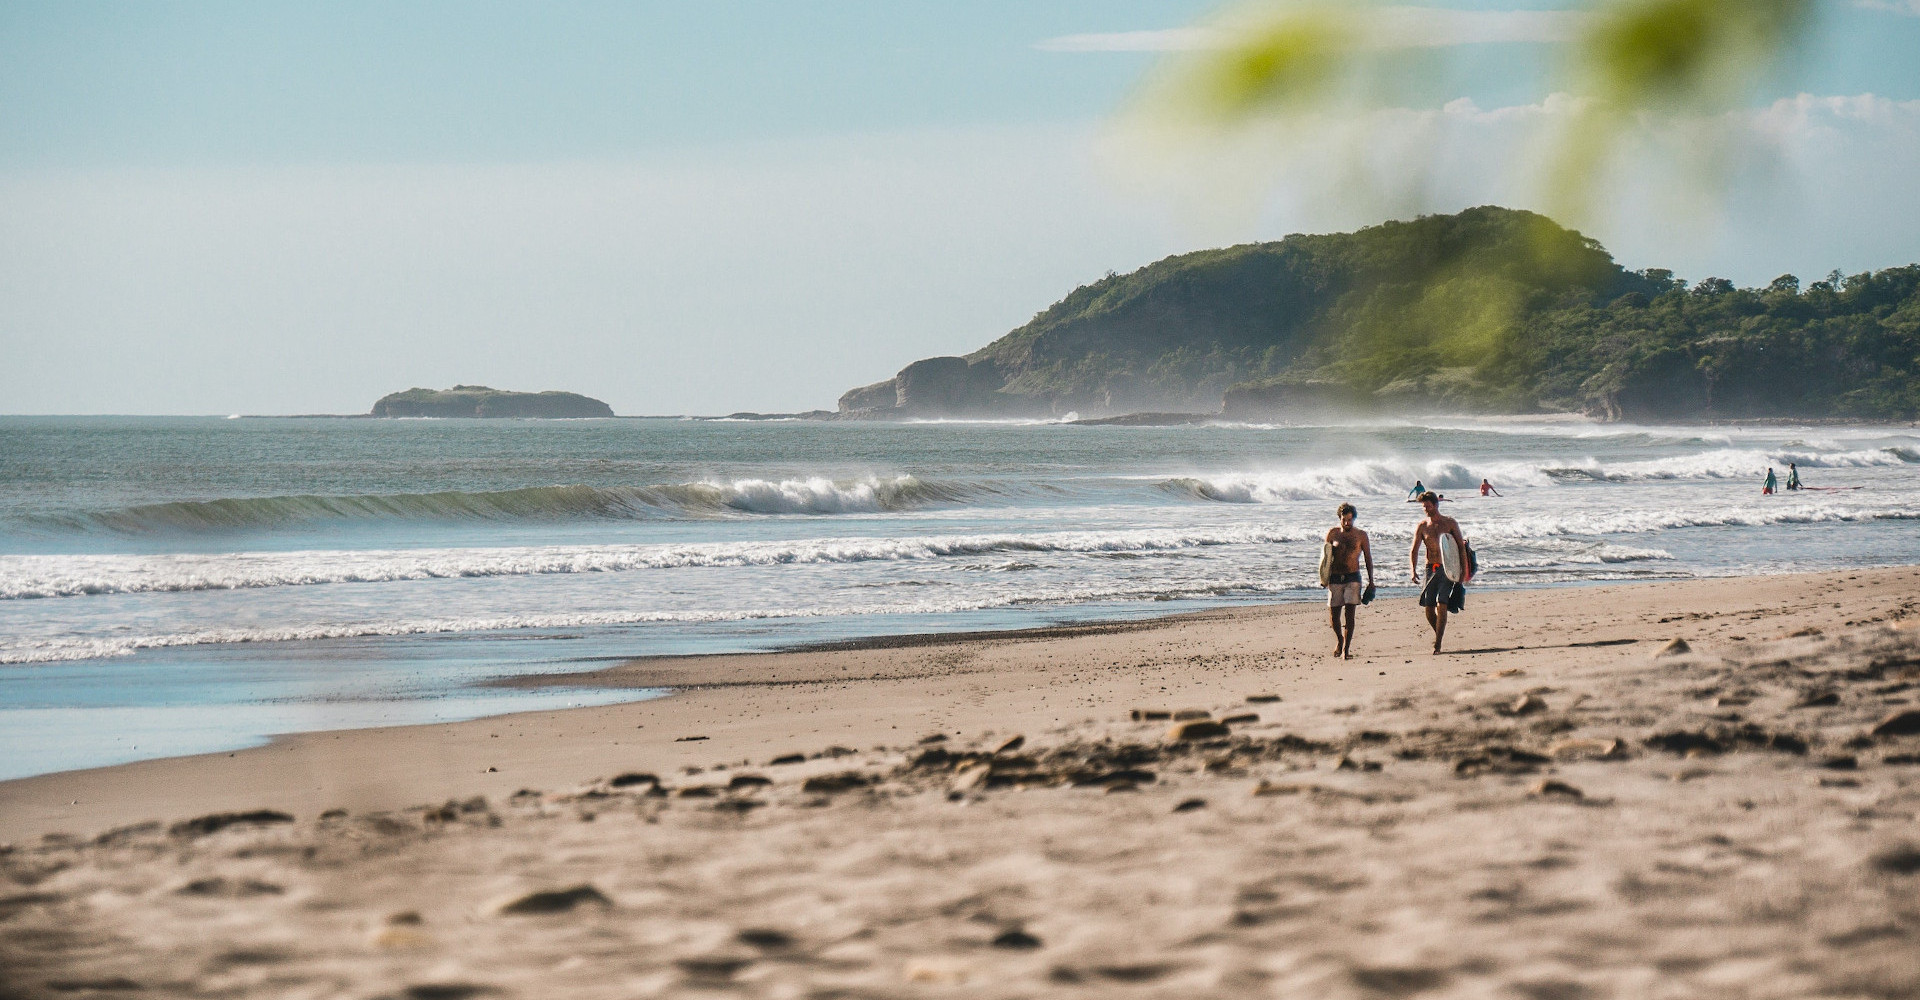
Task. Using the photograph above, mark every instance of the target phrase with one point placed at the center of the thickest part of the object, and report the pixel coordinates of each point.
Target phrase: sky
(271, 207)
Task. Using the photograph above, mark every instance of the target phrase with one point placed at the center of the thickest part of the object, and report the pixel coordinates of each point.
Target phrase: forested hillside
(1489, 310)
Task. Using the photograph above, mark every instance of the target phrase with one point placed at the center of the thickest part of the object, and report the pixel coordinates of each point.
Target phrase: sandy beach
(1562, 806)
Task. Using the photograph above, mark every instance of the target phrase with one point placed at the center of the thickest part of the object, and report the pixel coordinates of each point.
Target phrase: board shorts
(1343, 589)
(1439, 589)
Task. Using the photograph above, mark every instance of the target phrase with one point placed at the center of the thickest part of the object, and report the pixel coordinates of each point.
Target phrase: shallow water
(174, 585)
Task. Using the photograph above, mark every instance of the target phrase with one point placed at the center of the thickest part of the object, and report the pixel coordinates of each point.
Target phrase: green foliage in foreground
(1489, 310)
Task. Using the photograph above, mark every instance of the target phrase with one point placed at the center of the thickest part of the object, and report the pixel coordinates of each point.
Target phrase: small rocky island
(483, 401)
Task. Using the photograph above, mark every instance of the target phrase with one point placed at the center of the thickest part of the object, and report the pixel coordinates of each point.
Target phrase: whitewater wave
(1731, 463)
(55, 649)
(1392, 477)
(814, 495)
(1361, 477)
(47, 576)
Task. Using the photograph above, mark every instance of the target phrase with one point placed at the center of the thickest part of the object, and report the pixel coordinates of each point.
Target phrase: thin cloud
(1390, 28)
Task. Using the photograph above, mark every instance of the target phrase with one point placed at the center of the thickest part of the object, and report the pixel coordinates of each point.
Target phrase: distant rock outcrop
(939, 387)
(482, 401)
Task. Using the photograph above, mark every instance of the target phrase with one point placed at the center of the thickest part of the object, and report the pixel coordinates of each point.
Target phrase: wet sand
(1553, 810)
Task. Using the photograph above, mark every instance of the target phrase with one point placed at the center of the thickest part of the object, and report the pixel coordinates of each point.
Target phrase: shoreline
(730, 709)
(1563, 809)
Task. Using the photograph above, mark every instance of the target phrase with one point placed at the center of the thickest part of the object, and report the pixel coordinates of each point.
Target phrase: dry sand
(1554, 811)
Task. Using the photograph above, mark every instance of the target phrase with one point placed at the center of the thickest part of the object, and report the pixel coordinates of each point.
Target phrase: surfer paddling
(1346, 547)
(1443, 593)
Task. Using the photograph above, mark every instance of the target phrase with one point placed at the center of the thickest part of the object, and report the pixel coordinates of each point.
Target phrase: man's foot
(1338, 650)
(1436, 647)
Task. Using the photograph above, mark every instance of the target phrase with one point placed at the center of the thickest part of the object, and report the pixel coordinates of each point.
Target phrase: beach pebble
(970, 777)
(791, 758)
(1548, 787)
(1900, 859)
(215, 822)
(1242, 719)
(841, 782)
(1189, 805)
(748, 781)
(1578, 749)
(1262, 699)
(224, 888)
(1011, 745)
(1526, 704)
(1189, 714)
(1267, 788)
(1677, 647)
(1198, 730)
(553, 901)
(717, 968)
(1905, 723)
(765, 938)
(1016, 939)
(633, 778)
(1151, 714)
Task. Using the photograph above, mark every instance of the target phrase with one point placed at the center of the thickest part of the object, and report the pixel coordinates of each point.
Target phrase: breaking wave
(814, 495)
(45, 576)
(1393, 477)
(54, 649)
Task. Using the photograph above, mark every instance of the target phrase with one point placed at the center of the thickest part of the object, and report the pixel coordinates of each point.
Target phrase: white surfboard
(1452, 561)
(1326, 562)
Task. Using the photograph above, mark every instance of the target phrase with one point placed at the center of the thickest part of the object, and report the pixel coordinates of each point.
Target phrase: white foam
(18, 650)
(1393, 477)
(46, 576)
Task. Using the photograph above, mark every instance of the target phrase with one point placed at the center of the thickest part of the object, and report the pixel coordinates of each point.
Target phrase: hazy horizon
(268, 209)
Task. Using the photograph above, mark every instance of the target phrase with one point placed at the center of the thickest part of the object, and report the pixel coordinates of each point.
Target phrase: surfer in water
(1793, 476)
(1441, 594)
(1414, 494)
(1771, 484)
(1349, 546)
(1486, 489)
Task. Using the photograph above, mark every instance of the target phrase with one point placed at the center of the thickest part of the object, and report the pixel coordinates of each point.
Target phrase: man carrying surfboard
(1340, 573)
(1446, 565)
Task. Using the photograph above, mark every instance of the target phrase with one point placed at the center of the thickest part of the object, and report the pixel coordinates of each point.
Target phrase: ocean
(174, 585)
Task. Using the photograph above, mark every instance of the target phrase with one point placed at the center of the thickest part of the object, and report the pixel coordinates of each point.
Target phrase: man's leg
(1438, 615)
(1347, 649)
(1333, 616)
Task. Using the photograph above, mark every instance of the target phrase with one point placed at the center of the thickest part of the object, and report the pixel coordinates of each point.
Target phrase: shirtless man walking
(1440, 592)
(1350, 545)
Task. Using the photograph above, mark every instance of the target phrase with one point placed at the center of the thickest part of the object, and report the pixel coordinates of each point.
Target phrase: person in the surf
(1440, 595)
(1414, 494)
(1771, 484)
(1350, 546)
(1793, 476)
(1486, 489)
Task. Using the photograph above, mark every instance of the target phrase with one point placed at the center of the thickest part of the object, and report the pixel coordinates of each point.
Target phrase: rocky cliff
(482, 401)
